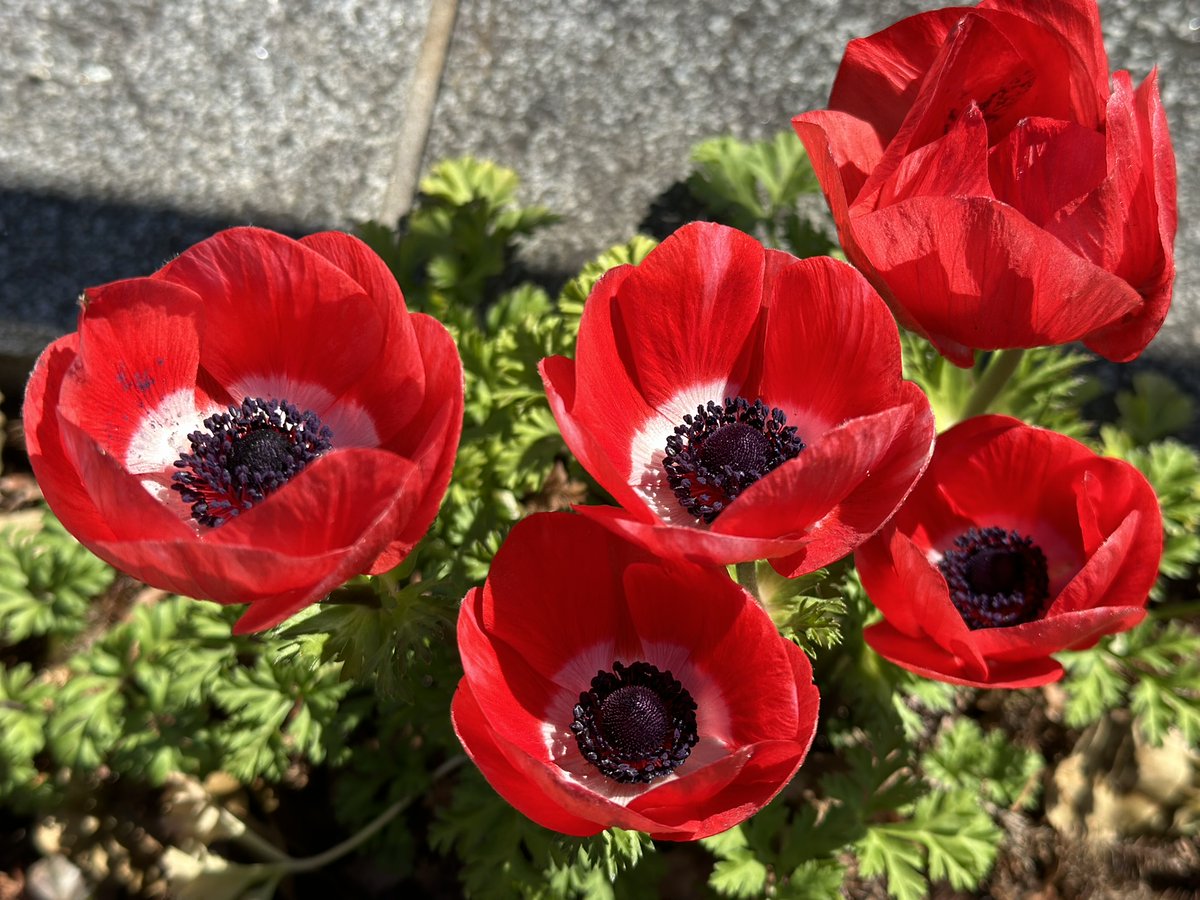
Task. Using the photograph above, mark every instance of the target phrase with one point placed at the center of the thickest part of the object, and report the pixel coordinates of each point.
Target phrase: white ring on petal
(712, 718)
(351, 424)
(162, 436)
(647, 476)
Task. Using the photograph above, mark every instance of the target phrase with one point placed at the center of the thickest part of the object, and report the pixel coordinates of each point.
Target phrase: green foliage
(1047, 389)
(807, 610)
(1173, 470)
(1156, 408)
(946, 833)
(965, 757)
(23, 706)
(1153, 669)
(756, 187)
(47, 579)
(451, 249)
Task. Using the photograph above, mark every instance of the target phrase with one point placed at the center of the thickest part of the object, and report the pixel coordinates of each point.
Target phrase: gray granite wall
(133, 128)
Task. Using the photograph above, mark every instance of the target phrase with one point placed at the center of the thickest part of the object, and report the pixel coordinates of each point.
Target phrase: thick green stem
(991, 383)
(747, 576)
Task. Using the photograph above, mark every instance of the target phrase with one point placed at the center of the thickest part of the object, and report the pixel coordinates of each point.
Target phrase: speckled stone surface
(597, 105)
(133, 128)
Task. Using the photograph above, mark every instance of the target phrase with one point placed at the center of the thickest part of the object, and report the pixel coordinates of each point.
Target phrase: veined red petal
(833, 346)
(553, 587)
(393, 389)
(702, 287)
(277, 310)
(118, 385)
(974, 272)
(57, 476)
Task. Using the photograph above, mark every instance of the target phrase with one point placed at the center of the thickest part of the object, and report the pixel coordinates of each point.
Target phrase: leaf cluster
(1154, 670)
(459, 238)
(505, 855)
(1048, 388)
(758, 187)
(46, 582)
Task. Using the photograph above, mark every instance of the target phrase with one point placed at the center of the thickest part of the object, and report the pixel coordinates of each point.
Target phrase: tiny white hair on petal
(350, 423)
(647, 476)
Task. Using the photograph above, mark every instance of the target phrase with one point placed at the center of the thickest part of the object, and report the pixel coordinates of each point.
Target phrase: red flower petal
(396, 374)
(471, 727)
(553, 589)
(951, 257)
(279, 312)
(931, 661)
(699, 288)
(120, 386)
(57, 477)
(433, 444)
(818, 376)
(880, 75)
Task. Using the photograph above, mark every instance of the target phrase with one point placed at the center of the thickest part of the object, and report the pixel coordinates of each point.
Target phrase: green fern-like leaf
(47, 581)
(755, 186)
(1047, 388)
(808, 610)
(1156, 408)
(964, 757)
(1173, 470)
(948, 835)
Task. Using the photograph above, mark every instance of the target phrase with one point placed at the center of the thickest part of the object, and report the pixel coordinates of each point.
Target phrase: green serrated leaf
(964, 757)
(808, 610)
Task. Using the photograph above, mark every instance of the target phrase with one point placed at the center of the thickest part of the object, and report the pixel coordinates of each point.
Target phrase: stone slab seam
(418, 115)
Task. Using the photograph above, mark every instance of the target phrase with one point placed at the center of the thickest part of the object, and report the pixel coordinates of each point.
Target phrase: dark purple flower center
(635, 723)
(246, 454)
(996, 578)
(723, 449)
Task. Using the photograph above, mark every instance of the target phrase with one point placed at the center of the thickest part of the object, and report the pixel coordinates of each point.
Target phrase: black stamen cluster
(996, 578)
(636, 723)
(247, 453)
(723, 449)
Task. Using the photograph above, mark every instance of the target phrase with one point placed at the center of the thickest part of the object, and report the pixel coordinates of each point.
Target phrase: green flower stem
(999, 369)
(747, 576)
(311, 863)
(290, 866)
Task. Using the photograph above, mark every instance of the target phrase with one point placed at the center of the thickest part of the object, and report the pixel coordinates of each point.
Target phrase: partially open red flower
(740, 404)
(1017, 543)
(605, 687)
(256, 422)
(994, 185)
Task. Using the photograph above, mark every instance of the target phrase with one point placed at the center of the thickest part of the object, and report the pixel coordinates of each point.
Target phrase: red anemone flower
(740, 404)
(256, 422)
(1017, 543)
(992, 183)
(606, 687)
